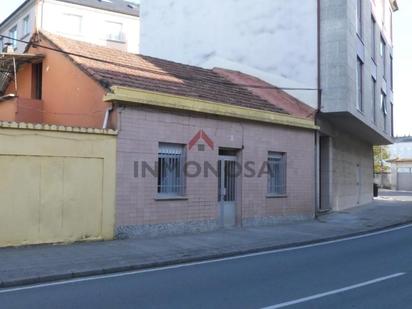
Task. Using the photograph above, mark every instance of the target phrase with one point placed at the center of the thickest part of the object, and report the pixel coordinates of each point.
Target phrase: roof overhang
(346, 121)
(134, 96)
(7, 60)
(397, 160)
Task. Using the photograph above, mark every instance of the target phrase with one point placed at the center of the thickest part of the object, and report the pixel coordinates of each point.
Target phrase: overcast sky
(402, 61)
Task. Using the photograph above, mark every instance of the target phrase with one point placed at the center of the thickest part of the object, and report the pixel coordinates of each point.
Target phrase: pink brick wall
(142, 129)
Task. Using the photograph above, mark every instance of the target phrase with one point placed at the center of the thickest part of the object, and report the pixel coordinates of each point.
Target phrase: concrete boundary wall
(57, 184)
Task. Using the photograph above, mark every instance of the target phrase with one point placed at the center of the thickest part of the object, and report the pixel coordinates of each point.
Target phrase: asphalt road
(368, 272)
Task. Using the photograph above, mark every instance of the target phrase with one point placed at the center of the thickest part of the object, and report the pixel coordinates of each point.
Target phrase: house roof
(111, 67)
(269, 93)
(399, 160)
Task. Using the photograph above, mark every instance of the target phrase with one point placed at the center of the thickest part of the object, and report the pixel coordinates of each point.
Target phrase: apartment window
(373, 38)
(384, 109)
(359, 85)
(1, 45)
(359, 17)
(71, 24)
(390, 24)
(392, 120)
(26, 27)
(114, 31)
(37, 81)
(171, 180)
(374, 100)
(391, 71)
(276, 173)
(383, 56)
(13, 36)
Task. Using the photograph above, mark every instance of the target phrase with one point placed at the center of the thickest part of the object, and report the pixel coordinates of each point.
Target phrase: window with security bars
(171, 180)
(276, 173)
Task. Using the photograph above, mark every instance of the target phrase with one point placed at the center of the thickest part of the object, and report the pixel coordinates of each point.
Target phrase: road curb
(39, 279)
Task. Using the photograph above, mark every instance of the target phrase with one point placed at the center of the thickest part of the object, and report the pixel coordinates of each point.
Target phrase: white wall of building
(28, 11)
(90, 24)
(274, 40)
(61, 18)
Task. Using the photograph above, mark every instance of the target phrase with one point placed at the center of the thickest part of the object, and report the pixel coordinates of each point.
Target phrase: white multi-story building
(112, 23)
(334, 55)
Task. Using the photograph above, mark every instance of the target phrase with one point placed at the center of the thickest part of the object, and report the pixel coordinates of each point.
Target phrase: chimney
(8, 48)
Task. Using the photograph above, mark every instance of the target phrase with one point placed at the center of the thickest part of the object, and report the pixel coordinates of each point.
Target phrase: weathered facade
(177, 121)
(143, 212)
(335, 56)
(57, 184)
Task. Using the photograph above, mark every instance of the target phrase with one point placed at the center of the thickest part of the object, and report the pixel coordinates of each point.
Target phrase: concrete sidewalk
(27, 265)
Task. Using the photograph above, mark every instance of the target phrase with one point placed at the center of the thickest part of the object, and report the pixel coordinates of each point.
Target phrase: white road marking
(345, 289)
(130, 273)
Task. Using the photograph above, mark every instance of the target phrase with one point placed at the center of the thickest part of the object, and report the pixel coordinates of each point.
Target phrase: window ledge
(360, 111)
(171, 198)
(360, 37)
(116, 41)
(276, 196)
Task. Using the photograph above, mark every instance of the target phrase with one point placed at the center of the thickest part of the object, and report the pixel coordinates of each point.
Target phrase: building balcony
(357, 125)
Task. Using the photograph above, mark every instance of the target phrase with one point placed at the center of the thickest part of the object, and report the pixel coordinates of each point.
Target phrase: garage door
(404, 181)
(50, 199)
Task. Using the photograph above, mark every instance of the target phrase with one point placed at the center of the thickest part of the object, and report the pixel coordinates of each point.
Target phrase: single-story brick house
(197, 149)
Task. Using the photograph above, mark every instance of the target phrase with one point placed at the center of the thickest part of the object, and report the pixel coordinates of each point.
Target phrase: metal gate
(404, 181)
(227, 190)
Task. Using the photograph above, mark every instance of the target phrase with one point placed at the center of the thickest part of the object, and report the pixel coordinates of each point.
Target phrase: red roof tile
(111, 67)
(276, 96)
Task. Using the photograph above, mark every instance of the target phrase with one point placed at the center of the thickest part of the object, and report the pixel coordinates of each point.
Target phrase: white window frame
(359, 84)
(384, 109)
(359, 19)
(72, 30)
(171, 163)
(13, 36)
(373, 38)
(374, 97)
(277, 174)
(383, 56)
(26, 25)
(119, 37)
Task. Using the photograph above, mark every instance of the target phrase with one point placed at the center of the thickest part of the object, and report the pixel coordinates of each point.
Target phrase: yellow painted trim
(137, 96)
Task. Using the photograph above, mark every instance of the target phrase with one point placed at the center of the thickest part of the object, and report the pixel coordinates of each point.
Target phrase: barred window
(276, 173)
(171, 180)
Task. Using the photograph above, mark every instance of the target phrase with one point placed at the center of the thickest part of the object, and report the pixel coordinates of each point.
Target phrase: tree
(380, 155)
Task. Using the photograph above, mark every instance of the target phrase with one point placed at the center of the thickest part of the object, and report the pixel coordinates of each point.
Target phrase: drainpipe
(319, 101)
(106, 117)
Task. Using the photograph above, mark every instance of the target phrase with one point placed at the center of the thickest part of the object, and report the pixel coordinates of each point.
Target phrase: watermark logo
(175, 164)
(201, 136)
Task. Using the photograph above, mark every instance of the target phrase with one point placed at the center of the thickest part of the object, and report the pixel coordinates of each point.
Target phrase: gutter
(317, 135)
(162, 100)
